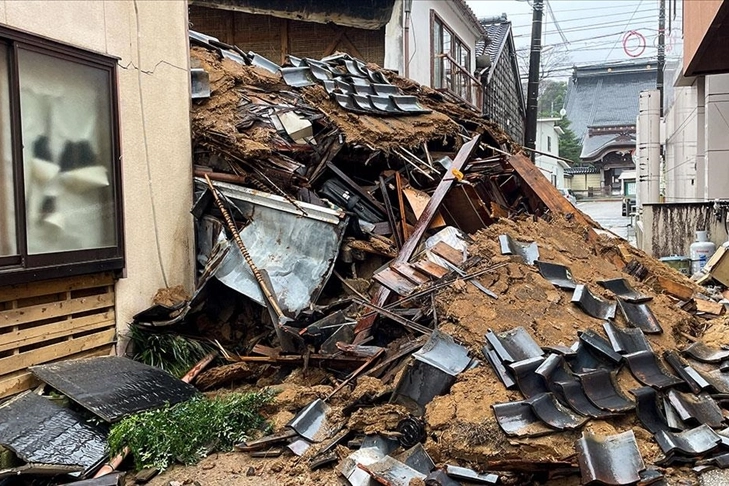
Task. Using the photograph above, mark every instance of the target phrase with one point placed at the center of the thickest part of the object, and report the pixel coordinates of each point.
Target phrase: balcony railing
(458, 81)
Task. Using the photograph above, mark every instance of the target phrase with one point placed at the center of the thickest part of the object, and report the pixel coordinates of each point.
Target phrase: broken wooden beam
(408, 248)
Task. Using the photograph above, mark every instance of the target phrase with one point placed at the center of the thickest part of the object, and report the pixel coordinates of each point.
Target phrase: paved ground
(607, 213)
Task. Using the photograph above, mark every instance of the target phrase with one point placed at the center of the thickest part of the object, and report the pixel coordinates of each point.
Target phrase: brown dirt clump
(379, 419)
(383, 133)
(170, 296)
(461, 424)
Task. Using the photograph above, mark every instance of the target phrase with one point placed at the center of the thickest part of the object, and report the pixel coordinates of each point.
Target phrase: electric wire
(626, 27)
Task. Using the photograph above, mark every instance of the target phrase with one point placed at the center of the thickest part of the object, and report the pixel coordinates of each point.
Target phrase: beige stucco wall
(150, 36)
(582, 182)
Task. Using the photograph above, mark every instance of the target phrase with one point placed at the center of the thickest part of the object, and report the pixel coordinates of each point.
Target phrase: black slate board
(113, 387)
(41, 432)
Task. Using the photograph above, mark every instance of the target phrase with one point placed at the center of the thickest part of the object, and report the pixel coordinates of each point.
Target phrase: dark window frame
(464, 71)
(23, 267)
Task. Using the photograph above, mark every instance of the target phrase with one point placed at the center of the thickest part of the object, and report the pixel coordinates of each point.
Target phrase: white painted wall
(419, 36)
(549, 165)
(696, 143)
(150, 37)
(682, 121)
(716, 132)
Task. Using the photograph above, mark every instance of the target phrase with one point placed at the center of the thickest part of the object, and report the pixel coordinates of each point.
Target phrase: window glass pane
(447, 42)
(8, 238)
(67, 154)
(437, 49)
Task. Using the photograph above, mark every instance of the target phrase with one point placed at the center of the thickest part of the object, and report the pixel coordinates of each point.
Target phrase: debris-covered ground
(411, 296)
(461, 426)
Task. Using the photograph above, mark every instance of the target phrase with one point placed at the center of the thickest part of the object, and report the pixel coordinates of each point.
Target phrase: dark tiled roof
(607, 94)
(594, 145)
(498, 33)
(585, 169)
(469, 13)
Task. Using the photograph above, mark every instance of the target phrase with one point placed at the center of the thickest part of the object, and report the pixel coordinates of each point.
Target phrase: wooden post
(284, 40)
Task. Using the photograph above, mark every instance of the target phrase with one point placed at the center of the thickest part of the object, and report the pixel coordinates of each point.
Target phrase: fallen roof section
(113, 387)
(46, 435)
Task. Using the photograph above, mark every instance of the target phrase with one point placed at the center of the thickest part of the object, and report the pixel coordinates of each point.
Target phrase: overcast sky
(593, 31)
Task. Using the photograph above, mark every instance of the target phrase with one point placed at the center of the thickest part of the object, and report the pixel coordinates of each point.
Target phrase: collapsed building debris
(426, 304)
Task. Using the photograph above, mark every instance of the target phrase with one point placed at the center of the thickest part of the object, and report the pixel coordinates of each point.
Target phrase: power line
(626, 26)
(592, 20)
(596, 26)
(612, 9)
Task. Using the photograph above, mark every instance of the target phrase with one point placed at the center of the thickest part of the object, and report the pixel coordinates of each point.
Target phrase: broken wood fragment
(448, 253)
(548, 194)
(674, 288)
(430, 268)
(709, 307)
(408, 248)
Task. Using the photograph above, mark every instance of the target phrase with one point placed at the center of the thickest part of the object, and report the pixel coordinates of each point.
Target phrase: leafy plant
(172, 352)
(188, 431)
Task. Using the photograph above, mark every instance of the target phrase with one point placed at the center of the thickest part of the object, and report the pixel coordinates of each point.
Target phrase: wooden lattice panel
(53, 320)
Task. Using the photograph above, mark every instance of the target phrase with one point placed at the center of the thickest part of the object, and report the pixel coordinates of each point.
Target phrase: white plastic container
(700, 251)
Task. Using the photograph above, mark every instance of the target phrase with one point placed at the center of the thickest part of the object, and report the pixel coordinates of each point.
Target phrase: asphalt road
(607, 213)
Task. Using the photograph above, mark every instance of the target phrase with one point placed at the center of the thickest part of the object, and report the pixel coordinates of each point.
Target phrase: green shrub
(188, 431)
(170, 351)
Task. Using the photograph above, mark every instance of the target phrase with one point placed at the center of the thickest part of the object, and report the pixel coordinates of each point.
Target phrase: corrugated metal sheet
(297, 251)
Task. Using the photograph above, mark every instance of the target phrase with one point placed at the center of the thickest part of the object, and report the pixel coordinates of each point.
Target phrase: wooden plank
(447, 252)
(401, 205)
(49, 332)
(417, 201)
(393, 281)
(55, 351)
(23, 380)
(284, 40)
(55, 286)
(547, 193)
(430, 268)
(709, 307)
(17, 382)
(408, 248)
(674, 288)
(14, 317)
(416, 277)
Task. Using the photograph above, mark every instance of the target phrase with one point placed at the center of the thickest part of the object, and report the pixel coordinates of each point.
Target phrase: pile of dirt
(461, 428)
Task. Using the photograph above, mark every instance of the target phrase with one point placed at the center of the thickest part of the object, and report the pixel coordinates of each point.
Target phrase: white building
(687, 190)
(433, 42)
(548, 142)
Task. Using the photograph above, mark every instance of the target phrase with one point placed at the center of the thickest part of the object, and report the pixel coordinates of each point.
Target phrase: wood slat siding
(51, 321)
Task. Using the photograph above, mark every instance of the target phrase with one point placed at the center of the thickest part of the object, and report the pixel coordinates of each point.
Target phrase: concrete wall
(669, 229)
(681, 155)
(419, 66)
(150, 38)
(716, 104)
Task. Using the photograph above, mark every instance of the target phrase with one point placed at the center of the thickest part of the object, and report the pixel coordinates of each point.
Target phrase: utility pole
(533, 87)
(661, 49)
